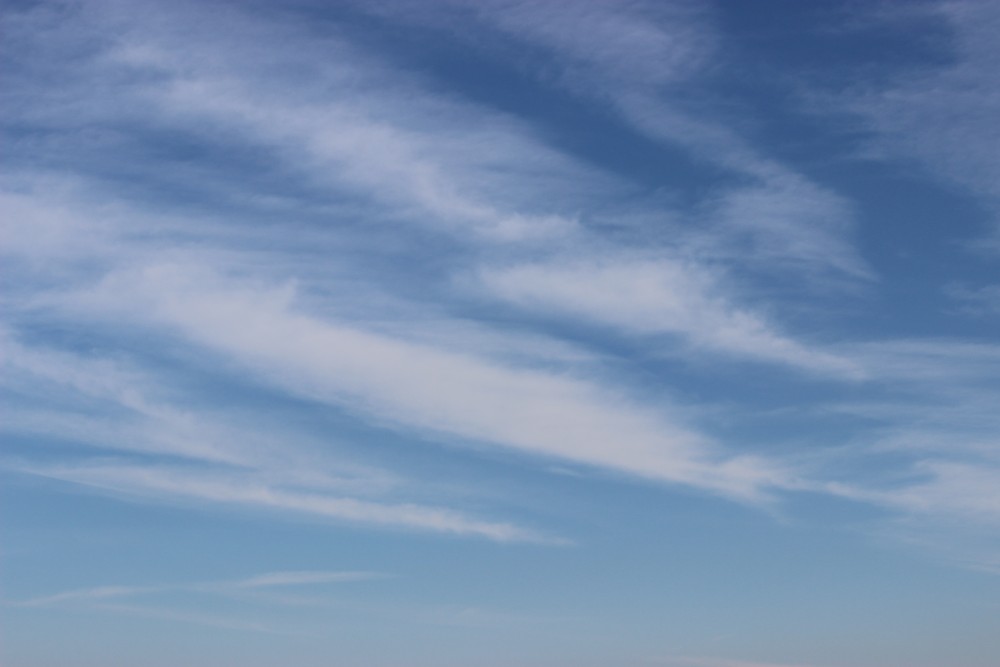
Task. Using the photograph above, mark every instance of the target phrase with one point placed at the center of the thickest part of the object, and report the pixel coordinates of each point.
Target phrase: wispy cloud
(646, 71)
(931, 410)
(111, 405)
(381, 377)
(225, 464)
(197, 618)
(490, 277)
(310, 578)
(91, 594)
(280, 591)
(422, 157)
(428, 388)
(368, 161)
(233, 489)
(982, 301)
(943, 115)
(302, 577)
(654, 296)
(722, 662)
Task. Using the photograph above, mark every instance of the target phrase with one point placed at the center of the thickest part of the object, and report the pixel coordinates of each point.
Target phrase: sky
(480, 333)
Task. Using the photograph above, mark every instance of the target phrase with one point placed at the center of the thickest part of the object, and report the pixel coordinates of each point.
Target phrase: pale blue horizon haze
(494, 333)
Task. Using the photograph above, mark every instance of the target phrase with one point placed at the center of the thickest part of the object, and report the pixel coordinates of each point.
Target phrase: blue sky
(500, 333)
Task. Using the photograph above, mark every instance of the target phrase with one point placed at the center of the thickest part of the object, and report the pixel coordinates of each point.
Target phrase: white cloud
(953, 489)
(943, 115)
(310, 578)
(471, 397)
(419, 386)
(362, 127)
(652, 296)
(247, 490)
(982, 301)
(91, 594)
(172, 602)
(934, 363)
(621, 44)
(929, 408)
(304, 577)
(720, 662)
(117, 408)
(947, 508)
(195, 617)
(111, 405)
(647, 69)
(418, 155)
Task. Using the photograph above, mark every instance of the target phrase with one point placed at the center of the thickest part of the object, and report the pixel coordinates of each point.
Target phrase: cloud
(943, 116)
(362, 129)
(303, 577)
(952, 488)
(197, 618)
(112, 405)
(632, 44)
(945, 508)
(302, 218)
(655, 296)
(227, 465)
(246, 490)
(721, 662)
(91, 594)
(645, 62)
(983, 301)
(225, 587)
(949, 361)
(430, 389)
(269, 591)
(477, 396)
(929, 450)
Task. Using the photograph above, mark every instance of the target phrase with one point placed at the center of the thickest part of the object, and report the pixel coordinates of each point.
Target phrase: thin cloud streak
(177, 484)
(264, 580)
(303, 577)
(197, 618)
(722, 662)
(645, 297)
